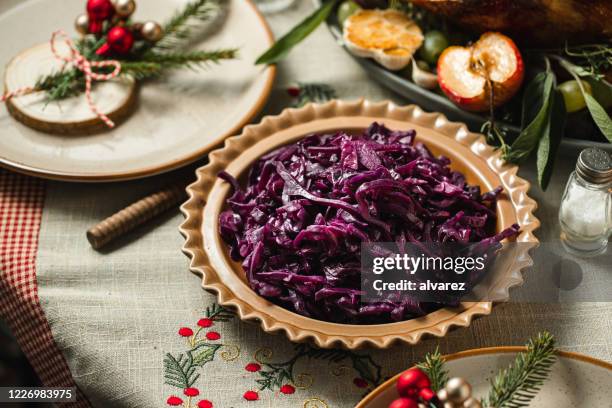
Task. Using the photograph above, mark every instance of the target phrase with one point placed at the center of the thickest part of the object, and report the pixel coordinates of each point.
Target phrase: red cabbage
(307, 208)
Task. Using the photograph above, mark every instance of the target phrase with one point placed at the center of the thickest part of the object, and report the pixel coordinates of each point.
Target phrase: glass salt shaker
(586, 207)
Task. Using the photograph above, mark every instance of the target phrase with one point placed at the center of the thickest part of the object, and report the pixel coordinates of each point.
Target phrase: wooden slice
(115, 98)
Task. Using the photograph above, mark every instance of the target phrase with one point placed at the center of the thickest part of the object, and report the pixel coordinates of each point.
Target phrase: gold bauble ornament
(443, 395)
(458, 390)
(81, 24)
(124, 8)
(151, 31)
(472, 403)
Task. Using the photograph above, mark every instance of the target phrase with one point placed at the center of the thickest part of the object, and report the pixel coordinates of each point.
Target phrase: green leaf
(536, 103)
(599, 115)
(296, 35)
(551, 138)
(203, 353)
(602, 92)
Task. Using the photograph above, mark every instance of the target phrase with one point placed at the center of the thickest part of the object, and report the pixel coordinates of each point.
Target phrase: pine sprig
(434, 368)
(180, 372)
(154, 64)
(178, 29)
(313, 92)
(62, 84)
(517, 385)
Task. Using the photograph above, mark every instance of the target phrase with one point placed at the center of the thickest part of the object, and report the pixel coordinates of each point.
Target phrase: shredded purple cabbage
(299, 225)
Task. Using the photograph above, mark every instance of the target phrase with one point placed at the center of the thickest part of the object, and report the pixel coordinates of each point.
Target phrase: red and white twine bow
(82, 64)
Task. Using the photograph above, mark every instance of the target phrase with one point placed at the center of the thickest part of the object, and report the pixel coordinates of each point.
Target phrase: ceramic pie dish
(576, 380)
(468, 153)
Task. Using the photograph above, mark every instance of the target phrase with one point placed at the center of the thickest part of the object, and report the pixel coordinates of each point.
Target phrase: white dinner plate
(575, 381)
(177, 120)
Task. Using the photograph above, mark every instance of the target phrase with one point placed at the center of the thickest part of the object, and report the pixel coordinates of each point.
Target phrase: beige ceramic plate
(576, 380)
(177, 120)
(469, 154)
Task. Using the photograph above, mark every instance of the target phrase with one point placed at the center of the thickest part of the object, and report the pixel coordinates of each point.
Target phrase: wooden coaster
(115, 98)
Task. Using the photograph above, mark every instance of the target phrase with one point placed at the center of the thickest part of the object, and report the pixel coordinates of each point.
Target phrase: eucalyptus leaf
(551, 139)
(536, 103)
(298, 33)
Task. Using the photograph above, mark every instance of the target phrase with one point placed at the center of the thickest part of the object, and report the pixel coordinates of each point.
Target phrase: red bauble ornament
(427, 394)
(411, 381)
(404, 403)
(98, 12)
(119, 41)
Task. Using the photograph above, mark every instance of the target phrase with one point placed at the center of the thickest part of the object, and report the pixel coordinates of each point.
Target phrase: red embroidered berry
(185, 332)
(174, 401)
(252, 367)
(360, 382)
(213, 336)
(287, 389)
(191, 392)
(205, 322)
(251, 396)
(205, 404)
(294, 91)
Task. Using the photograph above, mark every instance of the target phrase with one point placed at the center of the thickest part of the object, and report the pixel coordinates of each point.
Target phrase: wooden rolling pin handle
(135, 215)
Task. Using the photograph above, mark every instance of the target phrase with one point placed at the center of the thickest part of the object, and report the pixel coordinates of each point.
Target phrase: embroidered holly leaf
(203, 353)
(180, 371)
(367, 368)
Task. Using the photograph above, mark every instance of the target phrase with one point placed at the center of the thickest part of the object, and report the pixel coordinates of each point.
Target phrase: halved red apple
(468, 74)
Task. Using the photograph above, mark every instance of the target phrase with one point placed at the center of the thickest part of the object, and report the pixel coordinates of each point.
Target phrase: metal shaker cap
(595, 166)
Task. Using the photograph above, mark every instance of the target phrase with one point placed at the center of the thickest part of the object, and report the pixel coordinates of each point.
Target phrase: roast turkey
(534, 23)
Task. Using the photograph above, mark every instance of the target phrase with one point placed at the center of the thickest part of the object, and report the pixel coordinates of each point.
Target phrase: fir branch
(178, 29)
(62, 84)
(154, 64)
(313, 92)
(517, 385)
(434, 368)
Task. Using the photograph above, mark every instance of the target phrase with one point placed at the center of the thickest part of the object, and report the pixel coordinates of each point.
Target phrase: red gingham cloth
(21, 205)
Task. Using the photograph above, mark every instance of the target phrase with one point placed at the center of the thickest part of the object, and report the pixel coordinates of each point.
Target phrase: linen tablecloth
(132, 327)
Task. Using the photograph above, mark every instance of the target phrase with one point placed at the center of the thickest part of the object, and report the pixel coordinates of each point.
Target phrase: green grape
(433, 44)
(574, 101)
(345, 10)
